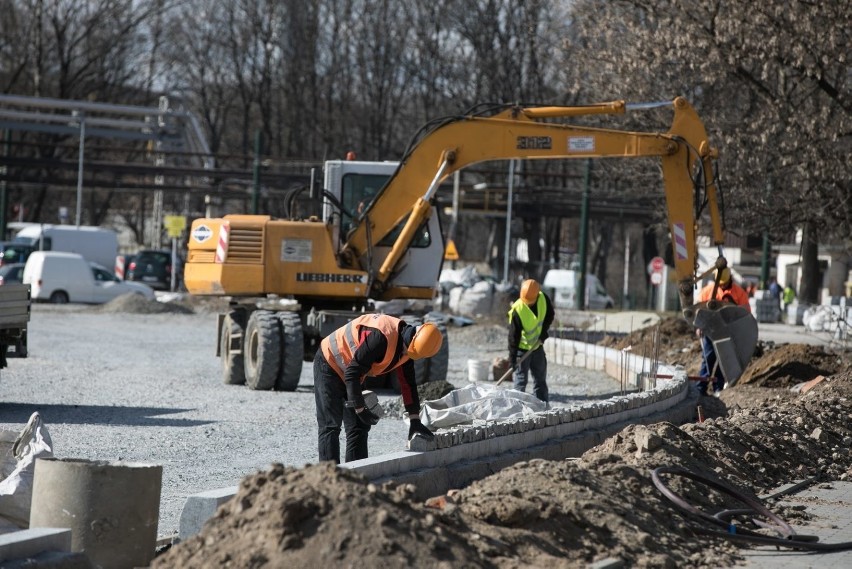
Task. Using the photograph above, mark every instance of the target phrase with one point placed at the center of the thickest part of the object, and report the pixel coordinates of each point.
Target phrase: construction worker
(730, 292)
(370, 345)
(788, 296)
(529, 321)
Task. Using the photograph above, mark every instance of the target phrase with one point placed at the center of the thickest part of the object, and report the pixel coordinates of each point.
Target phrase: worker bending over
(529, 321)
(730, 292)
(370, 345)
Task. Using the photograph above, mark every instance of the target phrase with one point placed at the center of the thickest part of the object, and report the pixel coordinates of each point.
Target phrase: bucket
(478, 370)
(112, 508)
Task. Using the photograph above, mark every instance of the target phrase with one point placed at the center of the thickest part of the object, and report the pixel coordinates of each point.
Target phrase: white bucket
(478, 370)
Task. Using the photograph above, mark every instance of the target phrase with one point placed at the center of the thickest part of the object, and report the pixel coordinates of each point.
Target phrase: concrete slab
(31, 542)
(830, 505)
(200, 507)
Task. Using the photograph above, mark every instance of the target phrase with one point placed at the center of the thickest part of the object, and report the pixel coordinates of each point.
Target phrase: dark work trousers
(537, 364)
(330, 394)
(708, 362)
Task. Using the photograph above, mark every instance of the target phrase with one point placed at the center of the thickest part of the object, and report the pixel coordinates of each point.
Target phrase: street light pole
(508, 222)
(82, 119)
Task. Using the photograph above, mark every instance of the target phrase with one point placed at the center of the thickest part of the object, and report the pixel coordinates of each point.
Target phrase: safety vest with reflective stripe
(530, 323)
(339, 347)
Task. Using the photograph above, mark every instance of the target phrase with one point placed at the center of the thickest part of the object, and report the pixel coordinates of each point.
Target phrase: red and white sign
(657, 264)
(222, 246)
(119, 266)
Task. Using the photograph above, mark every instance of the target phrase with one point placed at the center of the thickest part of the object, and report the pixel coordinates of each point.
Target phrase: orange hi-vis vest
(736, 293)
(339, 347)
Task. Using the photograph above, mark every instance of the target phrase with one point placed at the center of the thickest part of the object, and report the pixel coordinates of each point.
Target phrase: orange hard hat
(529, 291)
(426, 342)
(724, 278)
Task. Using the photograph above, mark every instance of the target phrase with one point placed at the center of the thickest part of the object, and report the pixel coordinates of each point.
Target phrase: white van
(95, 244)
(60, 277)
(563, 286)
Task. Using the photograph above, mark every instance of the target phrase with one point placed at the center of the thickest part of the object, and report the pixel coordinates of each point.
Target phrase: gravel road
(147, 388)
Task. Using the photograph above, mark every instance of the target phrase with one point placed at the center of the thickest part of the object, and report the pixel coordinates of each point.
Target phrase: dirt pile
(429, 391)
(671, 340)
(538, 513)
(136, 304)
(789, 364)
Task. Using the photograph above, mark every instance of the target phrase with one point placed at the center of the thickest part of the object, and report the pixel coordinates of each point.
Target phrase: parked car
(152, 267)
(563, 285)
(14, 252)
(11, 273)
(59, 277)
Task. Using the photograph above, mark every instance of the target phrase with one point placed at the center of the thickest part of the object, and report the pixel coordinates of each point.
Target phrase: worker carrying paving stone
(370, 345)
(529, 322)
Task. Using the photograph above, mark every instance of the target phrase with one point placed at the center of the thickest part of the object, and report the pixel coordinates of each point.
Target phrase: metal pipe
(82, 118)
(647, 106)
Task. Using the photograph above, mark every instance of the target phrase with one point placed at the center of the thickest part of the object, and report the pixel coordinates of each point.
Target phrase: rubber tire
(262, 350)
(438, 365)
(233, 370)
(59, 297)
(292, 351)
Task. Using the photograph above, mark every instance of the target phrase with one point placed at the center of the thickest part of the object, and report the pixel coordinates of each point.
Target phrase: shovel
(513, 368)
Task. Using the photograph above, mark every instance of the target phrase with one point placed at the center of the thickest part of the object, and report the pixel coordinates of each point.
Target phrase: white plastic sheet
(478, 401)
(16, 490)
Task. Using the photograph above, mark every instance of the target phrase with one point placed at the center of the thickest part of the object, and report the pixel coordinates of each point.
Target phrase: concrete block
(200, 507)
(418, 443)
(31, 542)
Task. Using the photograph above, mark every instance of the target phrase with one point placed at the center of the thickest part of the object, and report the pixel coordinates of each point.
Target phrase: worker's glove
(417, 428)
(367, 417)
(354, 397)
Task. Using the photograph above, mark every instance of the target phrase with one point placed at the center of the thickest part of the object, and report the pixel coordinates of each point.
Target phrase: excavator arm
(532, 134)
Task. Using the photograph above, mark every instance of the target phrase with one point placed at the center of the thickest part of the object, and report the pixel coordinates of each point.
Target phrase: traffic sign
(175, 224)
(657, 264)
(656, 278)
(451, 254)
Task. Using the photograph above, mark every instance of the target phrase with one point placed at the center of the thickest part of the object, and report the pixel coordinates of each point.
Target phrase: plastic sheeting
(479, 401)
(16, 490)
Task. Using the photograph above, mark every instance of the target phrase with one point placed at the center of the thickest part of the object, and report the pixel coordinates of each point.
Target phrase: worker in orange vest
(370, 345)
(730, 292)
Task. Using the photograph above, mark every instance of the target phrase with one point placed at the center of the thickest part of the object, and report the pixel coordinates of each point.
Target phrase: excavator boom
(522, 133)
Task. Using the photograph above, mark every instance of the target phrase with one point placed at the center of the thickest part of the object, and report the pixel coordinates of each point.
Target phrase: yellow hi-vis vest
(530, 323)
(339, 347)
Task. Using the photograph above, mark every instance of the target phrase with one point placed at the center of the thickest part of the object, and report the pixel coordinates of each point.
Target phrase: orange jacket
(734, 293)
(339, 347)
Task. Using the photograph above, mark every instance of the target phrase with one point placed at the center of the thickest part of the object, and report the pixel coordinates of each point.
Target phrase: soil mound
(789, 364)
(322, 516)
(671, 340)
(136, 304)
(428, 391)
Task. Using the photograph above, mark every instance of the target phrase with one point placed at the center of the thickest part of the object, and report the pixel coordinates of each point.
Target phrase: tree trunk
(811, 278)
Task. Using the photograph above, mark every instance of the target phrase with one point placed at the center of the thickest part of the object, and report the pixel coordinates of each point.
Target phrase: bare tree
(771, 80)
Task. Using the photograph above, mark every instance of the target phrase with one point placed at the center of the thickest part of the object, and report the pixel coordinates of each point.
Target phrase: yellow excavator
(293, 281)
